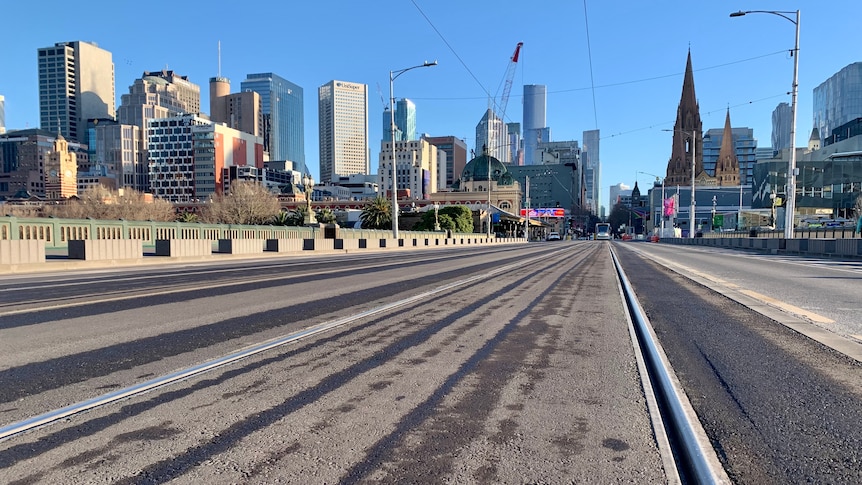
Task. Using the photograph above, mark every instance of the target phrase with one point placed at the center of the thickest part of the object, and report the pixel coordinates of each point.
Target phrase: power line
(590, 57)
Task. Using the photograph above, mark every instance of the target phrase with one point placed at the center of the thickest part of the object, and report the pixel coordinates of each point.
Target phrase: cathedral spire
(727, 165)
(687, 134)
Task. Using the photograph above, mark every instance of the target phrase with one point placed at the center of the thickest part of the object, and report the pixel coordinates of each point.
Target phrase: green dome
(476, 169)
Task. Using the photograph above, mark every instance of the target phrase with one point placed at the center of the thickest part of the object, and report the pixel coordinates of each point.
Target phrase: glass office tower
(284, 128)
(838, 100)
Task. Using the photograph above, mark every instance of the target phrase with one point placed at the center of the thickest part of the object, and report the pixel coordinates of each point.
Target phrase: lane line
(783, 306)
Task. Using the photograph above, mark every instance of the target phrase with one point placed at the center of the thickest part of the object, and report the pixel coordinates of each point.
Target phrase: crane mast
(507, 86)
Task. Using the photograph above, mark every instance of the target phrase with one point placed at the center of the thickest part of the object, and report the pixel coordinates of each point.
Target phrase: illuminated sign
(544, 212)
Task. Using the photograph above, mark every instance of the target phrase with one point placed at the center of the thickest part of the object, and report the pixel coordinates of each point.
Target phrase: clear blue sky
(624, 78)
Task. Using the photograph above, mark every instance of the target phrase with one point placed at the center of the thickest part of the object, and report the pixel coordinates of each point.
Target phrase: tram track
(14, 429)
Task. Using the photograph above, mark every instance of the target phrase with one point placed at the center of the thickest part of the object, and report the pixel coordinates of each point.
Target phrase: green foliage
(457, 218)
(461, 216)
(325, 216)
(188, 217)
(426, 222)
(377, 214)
(447, 223)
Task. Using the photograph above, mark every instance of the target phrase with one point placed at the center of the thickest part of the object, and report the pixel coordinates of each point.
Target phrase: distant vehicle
(603, 231)
(553, 236)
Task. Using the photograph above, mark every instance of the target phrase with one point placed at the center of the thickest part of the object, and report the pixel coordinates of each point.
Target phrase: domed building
(483, 178)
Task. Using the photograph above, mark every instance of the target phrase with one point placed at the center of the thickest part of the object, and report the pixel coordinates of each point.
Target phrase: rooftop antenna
(219, 58)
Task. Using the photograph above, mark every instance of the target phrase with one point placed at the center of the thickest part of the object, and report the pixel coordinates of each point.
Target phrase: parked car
(553, 236)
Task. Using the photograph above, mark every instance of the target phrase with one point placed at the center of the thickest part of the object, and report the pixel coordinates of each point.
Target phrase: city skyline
(739, 63)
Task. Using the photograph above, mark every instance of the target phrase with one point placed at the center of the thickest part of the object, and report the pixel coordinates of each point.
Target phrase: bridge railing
(58, 232)
(798, 233)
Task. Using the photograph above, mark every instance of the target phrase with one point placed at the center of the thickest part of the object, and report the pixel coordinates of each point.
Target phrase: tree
(100, 202)
(247, 203)
(461, 215)
(618, 216)
(325, 216)
(377, 214)
(188, 217)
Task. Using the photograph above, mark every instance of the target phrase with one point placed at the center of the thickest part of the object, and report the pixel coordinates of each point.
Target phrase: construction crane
(507, 86)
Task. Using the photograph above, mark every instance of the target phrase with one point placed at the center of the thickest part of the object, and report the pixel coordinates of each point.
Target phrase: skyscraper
(343, 122)
(240, 111)
(535, 131)
(405, 119)
(456, 155)
(516, 154)
(592, 169)
(76, 84)
(122, 146)
(283, 110)
(491, 134)
(781, 120)
(838, 100)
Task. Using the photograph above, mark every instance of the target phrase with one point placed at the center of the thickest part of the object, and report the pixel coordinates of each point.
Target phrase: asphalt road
(778, 406)
(528, 376)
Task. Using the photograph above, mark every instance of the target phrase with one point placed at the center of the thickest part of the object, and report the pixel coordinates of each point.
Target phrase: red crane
(507, 87)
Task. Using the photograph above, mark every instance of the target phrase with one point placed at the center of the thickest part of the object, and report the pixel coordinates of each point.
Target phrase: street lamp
(308, 184)
(393, 75)
(693, 165)
(791, 169)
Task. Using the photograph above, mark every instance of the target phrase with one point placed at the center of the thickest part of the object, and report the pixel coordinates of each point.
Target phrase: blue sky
(616, 66)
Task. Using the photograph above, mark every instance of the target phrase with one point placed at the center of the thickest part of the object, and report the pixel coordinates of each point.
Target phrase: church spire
(727, 165)
(687, 134)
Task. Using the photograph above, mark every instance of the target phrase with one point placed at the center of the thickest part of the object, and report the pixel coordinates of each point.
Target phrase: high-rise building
(838, 100)
(187, 156)
(240, 111)
(416, 168)
(782, 118)
(456, 155)
(516, 153)
(343, 122)
(687, 148)
(76, 84)
(491, 134)
(535, 131)
(283, 110)
(121, 147)
(592, 169)
(616, 192)
(405, 119)
(2, 114)
(158, 94)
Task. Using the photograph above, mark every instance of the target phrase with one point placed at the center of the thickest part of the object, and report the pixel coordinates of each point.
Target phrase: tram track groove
(17, 428)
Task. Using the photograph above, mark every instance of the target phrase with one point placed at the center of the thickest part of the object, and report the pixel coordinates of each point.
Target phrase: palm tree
(283, 218)
(326, 216)
(187, 217)
(377, 214)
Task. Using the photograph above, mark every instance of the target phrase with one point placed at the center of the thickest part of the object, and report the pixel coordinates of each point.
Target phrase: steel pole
(790, 208)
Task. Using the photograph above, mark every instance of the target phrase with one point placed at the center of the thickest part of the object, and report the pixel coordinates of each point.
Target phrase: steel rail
(695, 458)
(40, 420)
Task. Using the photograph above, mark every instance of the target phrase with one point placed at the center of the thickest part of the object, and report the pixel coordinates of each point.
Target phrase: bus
(603, 231)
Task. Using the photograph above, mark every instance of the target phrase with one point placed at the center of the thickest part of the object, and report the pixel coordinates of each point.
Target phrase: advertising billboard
(544, 212)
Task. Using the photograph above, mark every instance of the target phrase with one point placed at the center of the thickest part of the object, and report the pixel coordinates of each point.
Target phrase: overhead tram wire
(611, 85)
(590, 57)
(487, 93)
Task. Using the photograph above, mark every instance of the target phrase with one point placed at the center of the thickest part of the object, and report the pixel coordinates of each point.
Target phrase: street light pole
(393, 75)
(790, 207)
